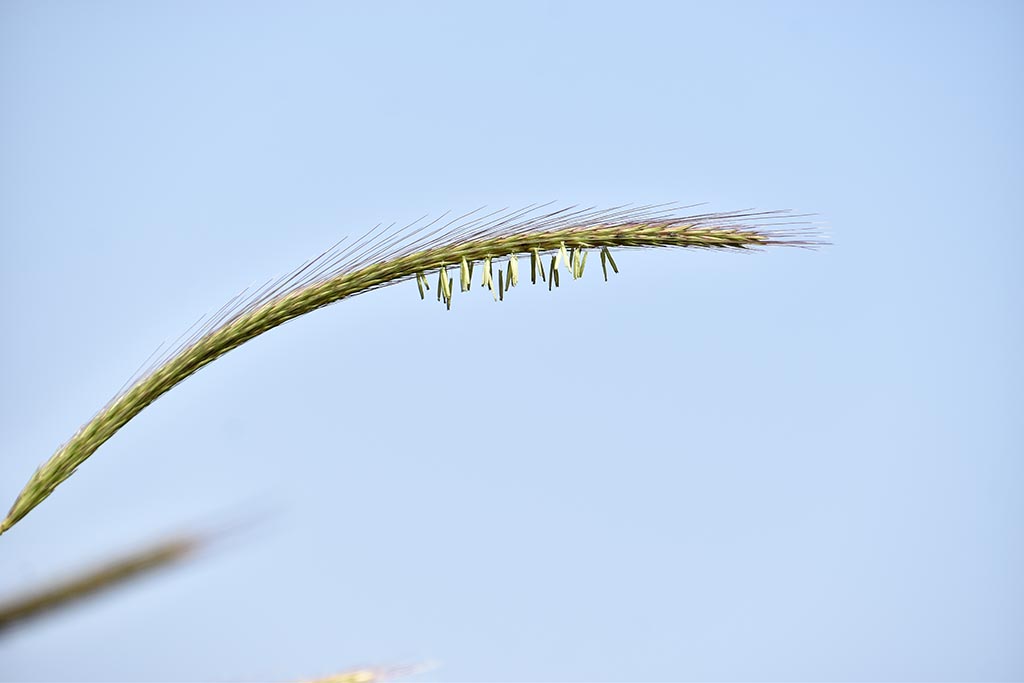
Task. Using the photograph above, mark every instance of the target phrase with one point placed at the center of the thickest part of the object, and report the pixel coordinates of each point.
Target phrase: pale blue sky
(779, 466)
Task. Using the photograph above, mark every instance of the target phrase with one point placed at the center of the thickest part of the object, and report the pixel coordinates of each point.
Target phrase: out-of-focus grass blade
(71, 589)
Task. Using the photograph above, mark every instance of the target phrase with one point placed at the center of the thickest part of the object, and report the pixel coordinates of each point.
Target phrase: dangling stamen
(615, 268)
(536, 265)
(465, 275)
(488, 276)
(606, 257)
(564, 254)
(445, 284)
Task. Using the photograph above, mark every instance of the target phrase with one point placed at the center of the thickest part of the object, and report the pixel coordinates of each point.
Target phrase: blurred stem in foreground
(76, 587)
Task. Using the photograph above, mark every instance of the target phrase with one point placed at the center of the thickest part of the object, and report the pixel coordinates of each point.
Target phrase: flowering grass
(444, 248)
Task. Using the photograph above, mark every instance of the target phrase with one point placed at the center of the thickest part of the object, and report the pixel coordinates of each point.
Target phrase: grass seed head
(395, 254)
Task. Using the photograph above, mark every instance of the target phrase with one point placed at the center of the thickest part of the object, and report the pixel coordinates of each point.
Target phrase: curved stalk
(392, 255)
